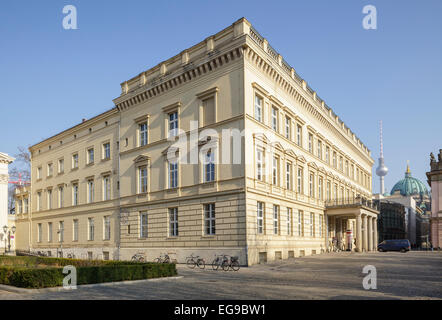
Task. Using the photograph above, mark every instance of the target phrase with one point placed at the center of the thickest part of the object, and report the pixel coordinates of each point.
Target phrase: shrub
(23, 271)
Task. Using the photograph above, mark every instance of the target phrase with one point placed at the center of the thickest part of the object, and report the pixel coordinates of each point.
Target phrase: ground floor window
(209, 218)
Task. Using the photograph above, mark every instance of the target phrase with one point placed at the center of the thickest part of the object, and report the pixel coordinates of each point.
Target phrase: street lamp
(8, 230)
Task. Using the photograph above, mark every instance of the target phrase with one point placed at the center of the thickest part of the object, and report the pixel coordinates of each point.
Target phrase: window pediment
(141, 158)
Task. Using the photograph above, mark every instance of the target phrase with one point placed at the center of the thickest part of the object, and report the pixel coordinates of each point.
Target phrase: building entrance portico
(352, 225)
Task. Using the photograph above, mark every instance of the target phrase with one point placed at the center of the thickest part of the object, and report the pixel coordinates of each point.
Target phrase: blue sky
(51, 78)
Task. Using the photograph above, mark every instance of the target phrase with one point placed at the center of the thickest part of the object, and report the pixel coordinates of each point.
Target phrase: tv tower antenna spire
(381, 170)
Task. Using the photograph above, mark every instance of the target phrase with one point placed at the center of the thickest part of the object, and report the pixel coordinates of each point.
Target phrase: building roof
(409, 186)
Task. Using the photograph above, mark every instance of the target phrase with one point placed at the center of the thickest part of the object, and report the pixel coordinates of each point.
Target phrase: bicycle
(160, 259)
(193, 261)
(218, 261)
(231, 263)
(138, 257)
(70, 256)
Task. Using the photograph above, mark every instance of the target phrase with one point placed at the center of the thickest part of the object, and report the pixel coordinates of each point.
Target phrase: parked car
(402, 245)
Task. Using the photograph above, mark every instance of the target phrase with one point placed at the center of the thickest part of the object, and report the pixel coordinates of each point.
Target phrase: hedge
(31, 275)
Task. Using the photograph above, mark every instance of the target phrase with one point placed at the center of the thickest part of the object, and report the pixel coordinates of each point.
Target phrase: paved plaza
(412, 275)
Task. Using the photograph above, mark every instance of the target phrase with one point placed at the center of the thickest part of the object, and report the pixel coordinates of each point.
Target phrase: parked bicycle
(231, 263)
(70, 256)
(138, 257)
(193, 261)
(163, 259)
(218, 261)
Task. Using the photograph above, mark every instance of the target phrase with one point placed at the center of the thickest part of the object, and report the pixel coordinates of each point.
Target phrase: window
(38, 173)
(300, 223)
(352, 171)
(288, 127)
(209, 219)
(299, 135)
(209, 111)
(142, 179)
(40, 232)
(91, 229)
(327, 154)
(334, 160)
(320, 188)
(173, 222)
(312, 185)
(275, 219)
(75, 194)
(275, 171)
(312, 221)
(26, 205)
(258, 108)
(50, 169)
(288, 176)
(60, 197)
(90, 191)
(60, 166)
(209, 166)
(260, 217)
(49, 199)
(106, 188)
(61, 231)
(90, 156)
(143, 225)
(106, 151)
(335, 192)
(49, 231)
(275, 119)
(310, 143)
(75, 230)
(346, 168)
(289, 221)
(39, 201)
(320, 149)
(173, 124)
(259, 164)
(142, 129)
(107, 227)
(341, 161)
(173, 174)
(75, 161)
(300, 180)
(328, 191)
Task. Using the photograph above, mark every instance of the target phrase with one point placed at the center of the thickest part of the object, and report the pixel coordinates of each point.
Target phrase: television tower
(381, 170)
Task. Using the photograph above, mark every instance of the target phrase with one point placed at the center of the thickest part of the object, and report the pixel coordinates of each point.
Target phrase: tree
(20, 170)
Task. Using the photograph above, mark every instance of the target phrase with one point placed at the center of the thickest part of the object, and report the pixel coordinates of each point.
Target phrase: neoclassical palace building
(123, 182)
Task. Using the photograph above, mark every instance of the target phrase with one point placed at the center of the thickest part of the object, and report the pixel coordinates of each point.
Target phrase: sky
(51, 78)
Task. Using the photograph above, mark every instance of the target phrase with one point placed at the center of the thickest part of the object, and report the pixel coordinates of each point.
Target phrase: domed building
(410, 186)
(414, 196)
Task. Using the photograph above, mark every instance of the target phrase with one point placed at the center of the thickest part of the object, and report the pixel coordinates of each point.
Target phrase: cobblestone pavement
(412, 275)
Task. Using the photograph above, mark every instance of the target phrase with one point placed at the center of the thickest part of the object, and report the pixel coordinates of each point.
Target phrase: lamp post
(8, 230)
(61, 235)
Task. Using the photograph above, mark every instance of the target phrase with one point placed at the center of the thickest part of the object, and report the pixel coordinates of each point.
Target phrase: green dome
(410, 186)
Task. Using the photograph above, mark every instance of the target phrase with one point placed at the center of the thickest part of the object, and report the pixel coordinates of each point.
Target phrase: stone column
(375, 234)
(364, 233)
(358, 233)
(370, 233)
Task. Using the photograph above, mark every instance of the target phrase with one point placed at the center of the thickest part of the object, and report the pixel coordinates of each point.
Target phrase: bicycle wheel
(215, 264)
(157, 260)
(201, 263)
(235, 265)
(134, 259)
(191, 263)
(225, 265)
(141, 259)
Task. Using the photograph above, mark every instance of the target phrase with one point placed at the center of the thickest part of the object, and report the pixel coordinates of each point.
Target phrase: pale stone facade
(5, 160)
(156, 207)
(435, 181)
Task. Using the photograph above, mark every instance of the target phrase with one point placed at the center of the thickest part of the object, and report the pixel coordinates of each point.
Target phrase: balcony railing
(358, 201)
